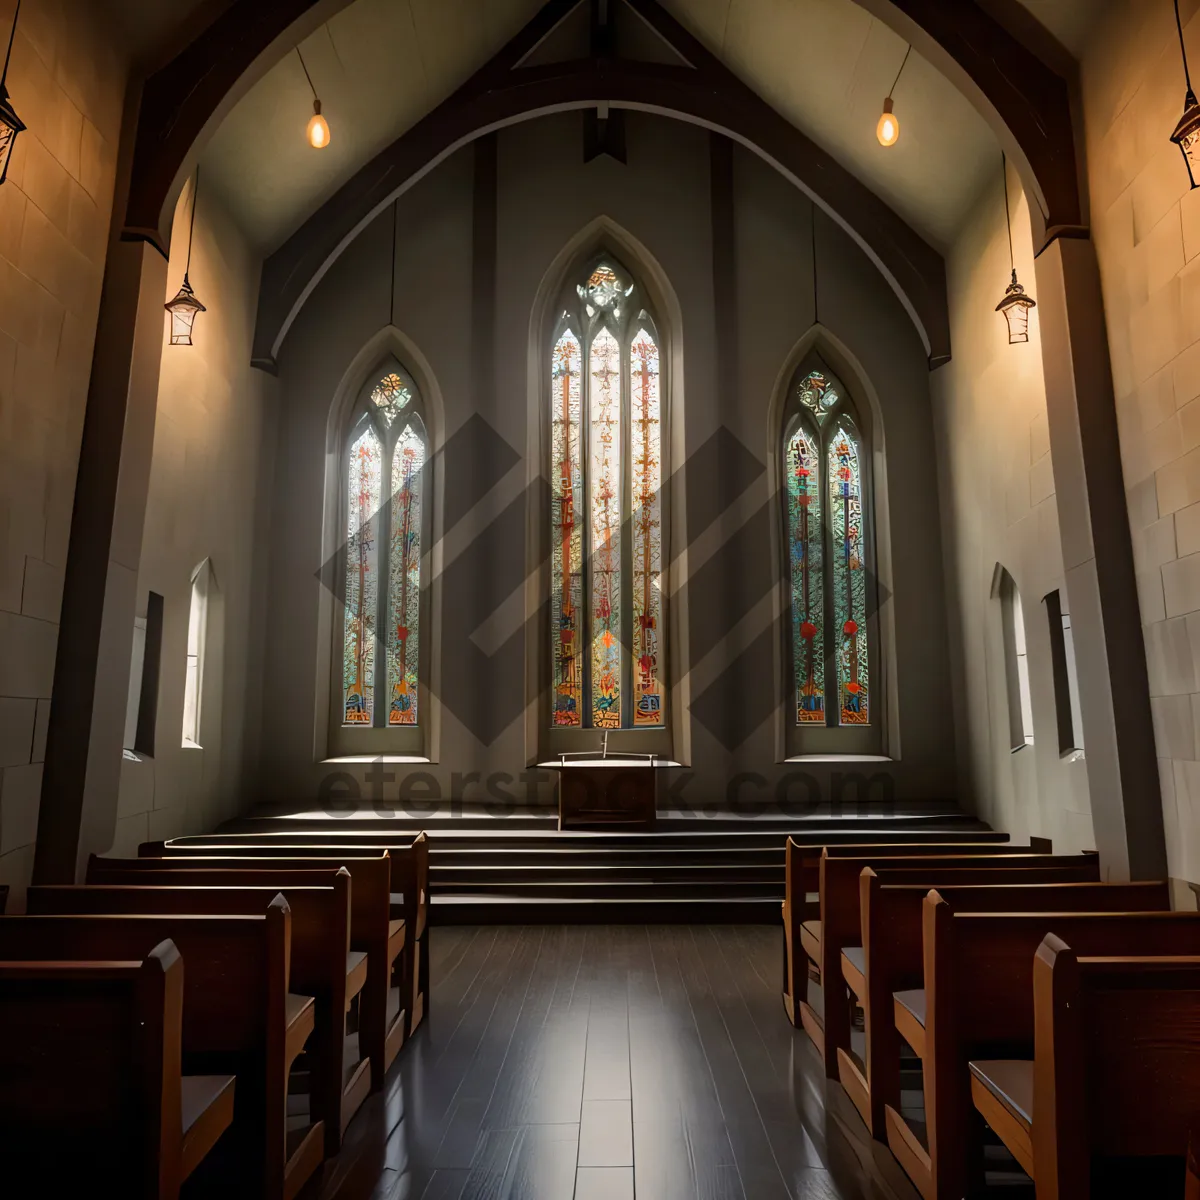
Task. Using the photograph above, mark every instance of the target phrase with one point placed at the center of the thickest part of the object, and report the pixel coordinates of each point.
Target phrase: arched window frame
(391, 426)
(625, 318)
(823, 414)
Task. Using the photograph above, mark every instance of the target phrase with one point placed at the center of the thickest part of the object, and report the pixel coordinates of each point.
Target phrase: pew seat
(1115, 1074)
(372, 927)
(810, 939)
(1002, 1090)
(132, 1132)
(979, 976)
(239, 1014)
(910, 1018)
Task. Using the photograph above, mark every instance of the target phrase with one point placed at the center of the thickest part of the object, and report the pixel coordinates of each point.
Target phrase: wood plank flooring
(607, 1062)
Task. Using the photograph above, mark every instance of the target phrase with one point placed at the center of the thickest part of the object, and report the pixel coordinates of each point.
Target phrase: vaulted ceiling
(380, 65)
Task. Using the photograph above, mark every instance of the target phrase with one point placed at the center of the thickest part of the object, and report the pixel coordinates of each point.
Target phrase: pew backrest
(236, 978)
(320, 920)
(980, 965)
(892, 905)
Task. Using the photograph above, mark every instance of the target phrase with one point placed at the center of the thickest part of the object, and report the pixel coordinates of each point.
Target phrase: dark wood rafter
(187, 99)
(1027, 104)
(704, 93)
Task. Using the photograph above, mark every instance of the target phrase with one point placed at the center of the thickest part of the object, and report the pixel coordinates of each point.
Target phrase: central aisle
(577, 1063)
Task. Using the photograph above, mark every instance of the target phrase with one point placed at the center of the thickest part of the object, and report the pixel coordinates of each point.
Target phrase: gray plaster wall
(658, 207)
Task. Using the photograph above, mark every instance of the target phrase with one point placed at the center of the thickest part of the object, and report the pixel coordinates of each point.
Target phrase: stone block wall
(67, 83)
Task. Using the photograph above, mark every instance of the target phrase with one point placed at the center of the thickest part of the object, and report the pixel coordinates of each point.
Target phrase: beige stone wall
(67, 83)
(999, 507)
(209, 498)
(1146, 225)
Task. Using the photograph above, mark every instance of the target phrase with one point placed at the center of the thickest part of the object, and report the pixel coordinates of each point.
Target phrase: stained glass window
(607, 560)
(805, 535)
(848, 574)
(362, 577)
(646, 528)
(404, 575)
(566, 599)
(386, 519)
(825, 505)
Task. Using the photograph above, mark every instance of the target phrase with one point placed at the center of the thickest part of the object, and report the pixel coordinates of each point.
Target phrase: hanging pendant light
(184, 306)
(10, 123)
(1187, 132)
(1016, 304)
(888, 129)
(318, 127)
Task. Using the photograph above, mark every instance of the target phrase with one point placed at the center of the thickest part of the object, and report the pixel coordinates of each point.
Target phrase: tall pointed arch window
(607, 610)
(385, 519)
(832, 638)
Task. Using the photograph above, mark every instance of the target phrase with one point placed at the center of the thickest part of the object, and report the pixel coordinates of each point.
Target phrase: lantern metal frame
(1186, 134)
(183, 306)
(1015, 303)
(10, 124)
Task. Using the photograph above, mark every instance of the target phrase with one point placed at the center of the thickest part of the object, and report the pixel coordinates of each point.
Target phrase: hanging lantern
(184, 306)
(183, 309)
(1187, 132)
(1015, 306)
(887, 131)
(10, 123)
(318, 128)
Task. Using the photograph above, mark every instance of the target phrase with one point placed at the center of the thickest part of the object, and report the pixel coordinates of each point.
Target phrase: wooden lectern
(607, 794)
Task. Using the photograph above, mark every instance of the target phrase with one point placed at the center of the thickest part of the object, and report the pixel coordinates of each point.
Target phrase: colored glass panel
(404, 576)
(362, 585)
(646, 530)
(818, 393)
(566, 586)
(604, 452)
(805, 534)
(603, 290)
(849, 576)
(390, 396)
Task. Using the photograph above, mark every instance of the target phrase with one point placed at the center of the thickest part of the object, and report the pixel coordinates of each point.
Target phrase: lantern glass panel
(1017, 316)
(182, 320)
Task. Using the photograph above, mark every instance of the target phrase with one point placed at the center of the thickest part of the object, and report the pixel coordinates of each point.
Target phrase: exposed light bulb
(888, 129)
(318, 128)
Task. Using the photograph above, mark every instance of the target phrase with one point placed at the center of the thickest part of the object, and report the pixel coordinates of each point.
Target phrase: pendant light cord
(192, 221)
(1182, 48)
(905, 63)
(816, 293)
(392, 293)
(1007, 216)
(307, 75)
(11, 38)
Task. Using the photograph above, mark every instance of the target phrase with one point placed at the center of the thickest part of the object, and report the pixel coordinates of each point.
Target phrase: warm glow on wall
(888, 129)
(318, 129)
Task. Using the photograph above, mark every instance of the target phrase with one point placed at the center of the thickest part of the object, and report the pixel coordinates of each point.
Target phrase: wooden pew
(410, 884)
(839, 924)
(1115, 1072)
(889, 959)
(3, 897)
(238, 1013)
(1192, 1187)
(372, 929)
(801, 906)
(322, 964)
(90, 1059)
(977, 999)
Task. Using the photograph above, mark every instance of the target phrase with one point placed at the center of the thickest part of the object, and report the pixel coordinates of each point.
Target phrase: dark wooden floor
(606, 1062)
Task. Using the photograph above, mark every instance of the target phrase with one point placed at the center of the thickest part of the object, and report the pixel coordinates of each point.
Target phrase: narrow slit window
(1016, 663)
(193, 688)
(1066, 681)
